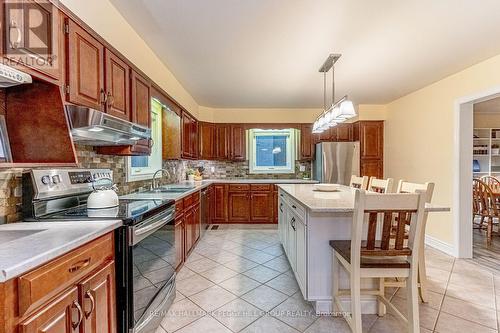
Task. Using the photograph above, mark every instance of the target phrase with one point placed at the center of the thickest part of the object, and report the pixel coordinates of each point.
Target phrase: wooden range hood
(37, 126)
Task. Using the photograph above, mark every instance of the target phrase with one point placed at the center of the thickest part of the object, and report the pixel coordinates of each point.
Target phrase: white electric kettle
(103, 197)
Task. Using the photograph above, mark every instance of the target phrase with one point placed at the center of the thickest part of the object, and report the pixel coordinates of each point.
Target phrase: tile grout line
(444, 295)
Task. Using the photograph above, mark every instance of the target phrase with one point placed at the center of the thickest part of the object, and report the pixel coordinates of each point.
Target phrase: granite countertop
(333, 202)
(26, 245)
(197, 186)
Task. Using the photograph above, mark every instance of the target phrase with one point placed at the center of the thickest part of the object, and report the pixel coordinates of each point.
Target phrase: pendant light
(340, 110)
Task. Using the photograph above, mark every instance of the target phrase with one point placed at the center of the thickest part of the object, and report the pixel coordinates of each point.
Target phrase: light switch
(302, 168)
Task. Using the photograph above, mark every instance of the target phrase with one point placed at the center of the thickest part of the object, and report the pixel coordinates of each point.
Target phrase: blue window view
(139, 161)
(270, 150)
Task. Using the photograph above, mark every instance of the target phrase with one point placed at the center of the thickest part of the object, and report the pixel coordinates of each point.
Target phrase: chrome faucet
(153, 184)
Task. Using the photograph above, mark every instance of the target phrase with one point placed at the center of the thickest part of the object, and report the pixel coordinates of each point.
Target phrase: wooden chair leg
(381, 306)
(489, 231)
(412, 301)
(356, 323)
(422, 274)
(335, 281)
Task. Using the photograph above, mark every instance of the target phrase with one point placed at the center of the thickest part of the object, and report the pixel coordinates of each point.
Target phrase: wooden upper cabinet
(355, 131)
(117, 86)
(32, 36)
(306, 143)
(207, 140)
(371, 134)
(328, 135)
(171, 133)
(186, 135)
(59, 316)
(344, 132)
(222, 135)
(238, 143)
(194, 138)
(141, 99)
(99, 301)
(85, 68)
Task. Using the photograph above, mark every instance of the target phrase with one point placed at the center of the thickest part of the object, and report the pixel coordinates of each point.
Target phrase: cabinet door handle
(294, 207)
(109, 99)
(88, 294)
(104, 97)
(79, 265)
(281, 206)
(80, 315)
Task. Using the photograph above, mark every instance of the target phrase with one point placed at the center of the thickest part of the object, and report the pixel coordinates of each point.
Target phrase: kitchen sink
(11, 235)
(173, 189)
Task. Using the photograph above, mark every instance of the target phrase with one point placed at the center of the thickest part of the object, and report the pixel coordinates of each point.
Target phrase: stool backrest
(380, 185)
(379, 211)
(359, 182)
(407, 187)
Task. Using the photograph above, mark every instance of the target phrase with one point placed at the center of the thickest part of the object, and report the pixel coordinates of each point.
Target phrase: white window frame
(155, 159)
(290, 153)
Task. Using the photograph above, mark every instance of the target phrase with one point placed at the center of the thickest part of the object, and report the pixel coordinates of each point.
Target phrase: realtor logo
(30, 35)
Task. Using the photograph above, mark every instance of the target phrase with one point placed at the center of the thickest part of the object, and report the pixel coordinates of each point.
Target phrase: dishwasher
(204, 211)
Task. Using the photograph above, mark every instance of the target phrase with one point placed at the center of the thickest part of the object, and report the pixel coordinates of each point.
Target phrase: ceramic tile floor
(238, 280)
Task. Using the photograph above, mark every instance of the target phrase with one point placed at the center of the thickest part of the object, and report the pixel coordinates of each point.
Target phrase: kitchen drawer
(188, 201)
(46, 281)
(196, 197)
(261, 187)
(179, 207)
(297, 208)
(239, 187)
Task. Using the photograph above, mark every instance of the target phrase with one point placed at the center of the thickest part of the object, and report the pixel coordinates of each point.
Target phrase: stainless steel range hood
(95, 128)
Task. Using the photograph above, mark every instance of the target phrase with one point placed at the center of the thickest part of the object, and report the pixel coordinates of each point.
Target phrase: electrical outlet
(212, 169)
(302, 168)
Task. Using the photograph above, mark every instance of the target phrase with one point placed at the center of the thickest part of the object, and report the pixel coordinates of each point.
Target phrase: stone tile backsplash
(10, 179)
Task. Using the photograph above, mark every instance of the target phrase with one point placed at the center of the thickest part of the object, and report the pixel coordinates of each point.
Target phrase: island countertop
(341, 201)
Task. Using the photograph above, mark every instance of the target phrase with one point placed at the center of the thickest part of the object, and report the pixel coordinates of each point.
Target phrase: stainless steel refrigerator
(336, 162)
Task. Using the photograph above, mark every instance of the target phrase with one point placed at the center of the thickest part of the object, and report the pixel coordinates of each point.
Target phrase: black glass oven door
(153, 268)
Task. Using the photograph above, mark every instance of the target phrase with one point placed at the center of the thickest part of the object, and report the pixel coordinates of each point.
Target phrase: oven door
(152, 246)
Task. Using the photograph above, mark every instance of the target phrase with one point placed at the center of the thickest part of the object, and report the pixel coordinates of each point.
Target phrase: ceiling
(266, 53)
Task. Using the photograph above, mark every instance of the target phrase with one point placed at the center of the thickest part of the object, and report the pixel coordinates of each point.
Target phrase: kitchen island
(307, 221)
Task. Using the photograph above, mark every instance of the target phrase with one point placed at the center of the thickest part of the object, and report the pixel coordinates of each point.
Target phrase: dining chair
(408, 187)
(380, 185)
(484, 202)
(359, 182)
(365, 256)
(491, 181)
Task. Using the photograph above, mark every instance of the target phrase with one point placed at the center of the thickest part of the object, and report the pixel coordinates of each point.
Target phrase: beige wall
(268, 115)
(419, 131)
(105, 19)
(487, 120)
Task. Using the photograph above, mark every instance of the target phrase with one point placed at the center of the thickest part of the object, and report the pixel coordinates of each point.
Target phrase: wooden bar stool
(380, 185)
(407, 187)
(359, 182)
(367, 257)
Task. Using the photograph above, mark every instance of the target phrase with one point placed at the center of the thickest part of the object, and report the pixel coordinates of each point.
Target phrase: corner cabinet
(189, 134)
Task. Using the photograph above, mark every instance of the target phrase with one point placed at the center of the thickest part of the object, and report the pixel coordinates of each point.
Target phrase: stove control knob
(56, 179)
(46, 180)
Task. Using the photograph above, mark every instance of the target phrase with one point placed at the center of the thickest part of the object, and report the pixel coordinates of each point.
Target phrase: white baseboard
(440, 245)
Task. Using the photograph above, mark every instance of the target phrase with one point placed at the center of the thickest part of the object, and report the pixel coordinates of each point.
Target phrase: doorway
(475, 134)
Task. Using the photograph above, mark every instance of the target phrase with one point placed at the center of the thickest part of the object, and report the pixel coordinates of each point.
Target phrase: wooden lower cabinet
(179, 242)
(261, 207)
(220, 199)
(60, 316)
(244, 203)
(238, 206)
(372, 168)
(187, 227)
(47, 300)
(97, 299)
